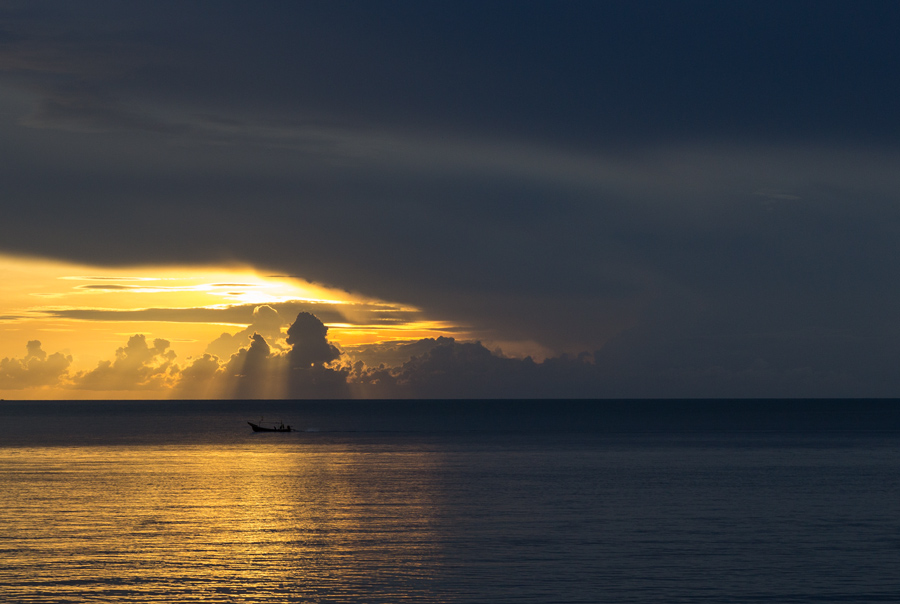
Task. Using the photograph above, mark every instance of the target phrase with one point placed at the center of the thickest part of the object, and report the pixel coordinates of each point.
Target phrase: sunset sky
(477, 199)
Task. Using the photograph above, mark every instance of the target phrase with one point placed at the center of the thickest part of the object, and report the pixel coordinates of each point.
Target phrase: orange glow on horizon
(89, 312)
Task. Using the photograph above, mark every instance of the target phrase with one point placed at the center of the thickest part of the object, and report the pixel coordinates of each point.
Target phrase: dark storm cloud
(582, 71)
(707, 179)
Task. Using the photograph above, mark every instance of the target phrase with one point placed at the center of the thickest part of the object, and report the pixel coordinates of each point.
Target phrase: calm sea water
(549, 501)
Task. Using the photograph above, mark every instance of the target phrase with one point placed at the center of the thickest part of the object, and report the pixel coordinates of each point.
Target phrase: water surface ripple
(447, 516)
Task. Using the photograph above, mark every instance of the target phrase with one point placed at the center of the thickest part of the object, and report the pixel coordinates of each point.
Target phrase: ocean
(450, 501)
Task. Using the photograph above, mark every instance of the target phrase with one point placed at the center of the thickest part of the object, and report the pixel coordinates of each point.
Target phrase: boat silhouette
(279, 428)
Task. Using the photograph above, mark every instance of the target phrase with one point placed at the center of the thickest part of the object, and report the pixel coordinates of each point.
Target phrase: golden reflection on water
(266, 522)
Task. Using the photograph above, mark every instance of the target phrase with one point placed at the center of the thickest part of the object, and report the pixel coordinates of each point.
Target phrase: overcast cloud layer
(702, 196)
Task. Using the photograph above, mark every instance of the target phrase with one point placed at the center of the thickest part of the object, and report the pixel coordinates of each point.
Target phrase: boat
(279, 428)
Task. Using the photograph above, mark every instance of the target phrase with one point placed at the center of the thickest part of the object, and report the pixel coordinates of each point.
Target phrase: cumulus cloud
(449, 369)
(441, 368)
(392, 354)
(259, 370)
(201, 379)
(202, 368)
(304, 367)
(309, 346)
(137, 366)
(250, 361)
(428, 368)
(311, 353)
(35, 369)
(254, 372)
(265, 321)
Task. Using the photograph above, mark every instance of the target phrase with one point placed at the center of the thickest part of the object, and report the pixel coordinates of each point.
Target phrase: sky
(471, 199)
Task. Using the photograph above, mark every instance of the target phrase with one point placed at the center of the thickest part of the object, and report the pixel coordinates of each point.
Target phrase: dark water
(550, 501)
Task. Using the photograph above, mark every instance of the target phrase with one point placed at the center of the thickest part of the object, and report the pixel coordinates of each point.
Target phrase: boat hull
(258, 428)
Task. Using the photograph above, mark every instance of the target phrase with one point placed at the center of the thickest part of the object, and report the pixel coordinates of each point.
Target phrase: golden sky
(87, 313)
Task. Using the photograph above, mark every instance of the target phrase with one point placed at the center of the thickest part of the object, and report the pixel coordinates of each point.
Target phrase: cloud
(137, 366)
(34, 370)
(265, 322)
(774, 196)
(660, 361)
(354, 313)
(309, 374)
(446, 368)
(92, 56)
(391, 354)
(259, 371)
(108, 287)
(202, 378)
(309, 345)
(743, 195)
(303, 369)
(250, 361)
(254, 372)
